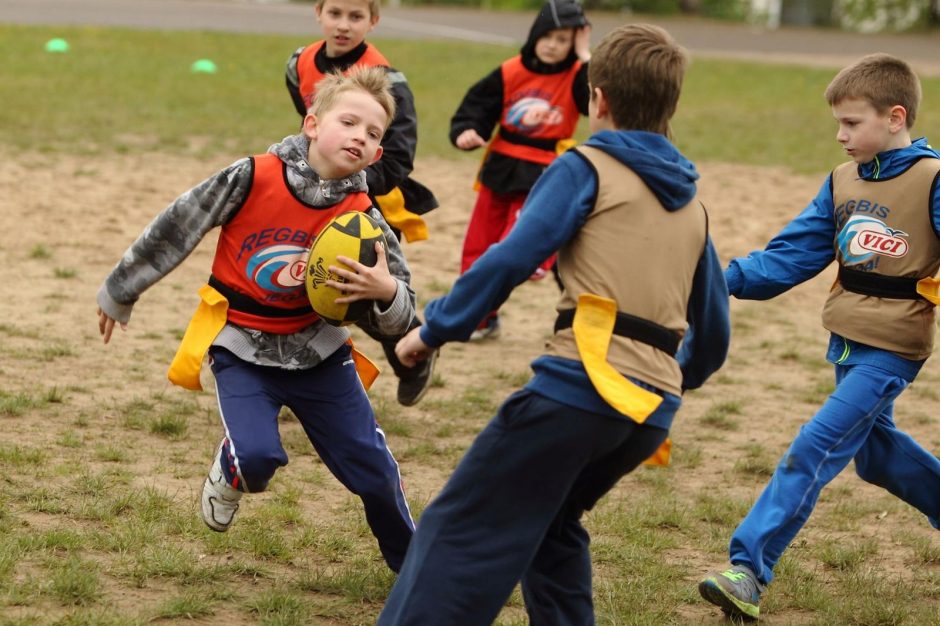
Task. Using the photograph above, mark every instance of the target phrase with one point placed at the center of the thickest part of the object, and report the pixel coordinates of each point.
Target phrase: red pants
(493, 217)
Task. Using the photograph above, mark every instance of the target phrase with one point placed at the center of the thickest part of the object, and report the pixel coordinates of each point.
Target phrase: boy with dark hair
(637, 325)
(533, 100)
(401, 199)
(878, 217)
(266, 346)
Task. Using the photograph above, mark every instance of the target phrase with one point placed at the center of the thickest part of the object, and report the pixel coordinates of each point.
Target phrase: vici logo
(888, 243)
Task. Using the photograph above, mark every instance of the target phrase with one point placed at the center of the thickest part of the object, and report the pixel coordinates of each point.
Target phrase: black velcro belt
(523, 140)
(633, 327)
(246, 304)
(878, 285)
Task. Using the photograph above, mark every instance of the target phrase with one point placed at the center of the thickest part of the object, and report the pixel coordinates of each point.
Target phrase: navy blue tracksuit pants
(511, 511)
(335, 412)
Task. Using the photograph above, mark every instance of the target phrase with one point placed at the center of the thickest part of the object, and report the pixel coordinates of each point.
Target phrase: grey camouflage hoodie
(176, 232)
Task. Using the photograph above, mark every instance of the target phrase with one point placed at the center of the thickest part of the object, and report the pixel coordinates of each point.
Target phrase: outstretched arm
(168, 240)
(560, 202)
(800, 251)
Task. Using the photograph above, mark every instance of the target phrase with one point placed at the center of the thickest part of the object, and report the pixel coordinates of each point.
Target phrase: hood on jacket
(668, 174)
(553, 14)
(305, 182)
(891, 163)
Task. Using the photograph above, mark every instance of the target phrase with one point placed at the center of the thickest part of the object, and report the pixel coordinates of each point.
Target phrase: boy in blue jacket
(638, 324)
(878, 217)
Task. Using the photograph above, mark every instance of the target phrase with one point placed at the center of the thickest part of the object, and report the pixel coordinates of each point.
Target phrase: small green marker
(57, 45)
(203, 66)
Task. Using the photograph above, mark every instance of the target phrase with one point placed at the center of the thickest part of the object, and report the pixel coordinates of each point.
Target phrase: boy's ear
(310, 126)
(897, 118)
(600, 103)
(378, 155)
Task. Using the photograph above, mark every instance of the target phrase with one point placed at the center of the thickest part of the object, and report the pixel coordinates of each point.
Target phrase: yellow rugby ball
(352, 234)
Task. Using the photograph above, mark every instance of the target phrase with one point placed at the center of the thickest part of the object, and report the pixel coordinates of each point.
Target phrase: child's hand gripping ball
(354, 235)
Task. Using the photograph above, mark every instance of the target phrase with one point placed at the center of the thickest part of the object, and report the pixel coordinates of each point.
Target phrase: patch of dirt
(66, 220)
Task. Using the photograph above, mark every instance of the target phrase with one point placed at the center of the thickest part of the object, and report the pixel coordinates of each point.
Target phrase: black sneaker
(413, 386)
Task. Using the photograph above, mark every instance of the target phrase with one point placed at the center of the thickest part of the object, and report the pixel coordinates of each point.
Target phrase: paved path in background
(701, 37)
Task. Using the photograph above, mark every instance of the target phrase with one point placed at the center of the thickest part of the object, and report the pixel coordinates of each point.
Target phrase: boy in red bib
(534, 100)
(401, 199)
(270, 349)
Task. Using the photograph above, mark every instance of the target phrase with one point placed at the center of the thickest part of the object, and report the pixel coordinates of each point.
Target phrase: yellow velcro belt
(929, 288)
(393, 208)
(205, 325)
(593, 328)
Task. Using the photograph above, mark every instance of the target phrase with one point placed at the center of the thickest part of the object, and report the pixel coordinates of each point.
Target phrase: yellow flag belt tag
(204, 327)
(393, 209)
(367, 370)
(593, 327)
(929, 289)
(206, 324)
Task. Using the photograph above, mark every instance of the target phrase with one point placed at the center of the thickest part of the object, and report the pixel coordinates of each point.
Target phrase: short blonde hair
(881, 79)
(373, 6)
(372, 80)
(639, 68)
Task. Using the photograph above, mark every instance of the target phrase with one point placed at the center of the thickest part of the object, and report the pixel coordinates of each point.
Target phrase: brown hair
(373, 6)
(881, 79)
(372, 80)
(640, 68)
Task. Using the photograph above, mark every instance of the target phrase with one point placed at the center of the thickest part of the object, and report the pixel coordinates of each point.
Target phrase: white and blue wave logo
(278, 268)
(527, 114)
(863, 237)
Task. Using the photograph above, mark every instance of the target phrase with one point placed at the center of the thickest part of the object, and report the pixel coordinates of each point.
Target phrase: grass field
(101, 462)
(124, 90)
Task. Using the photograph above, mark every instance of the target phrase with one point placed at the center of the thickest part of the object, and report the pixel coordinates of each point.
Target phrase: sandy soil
(65, 221)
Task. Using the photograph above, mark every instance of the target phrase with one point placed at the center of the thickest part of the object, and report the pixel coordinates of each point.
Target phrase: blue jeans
(855, 422)
(511, 511)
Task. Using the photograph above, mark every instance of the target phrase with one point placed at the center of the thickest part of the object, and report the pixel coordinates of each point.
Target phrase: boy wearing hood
(266, 346)
(643, 316)
(534, 100)
(878, 217)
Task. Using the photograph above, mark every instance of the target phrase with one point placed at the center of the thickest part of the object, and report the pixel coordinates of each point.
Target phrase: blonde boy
(878, 217)
(401, 199)
(273, 350)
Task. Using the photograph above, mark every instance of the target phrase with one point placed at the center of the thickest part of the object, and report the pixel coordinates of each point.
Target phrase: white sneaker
(219, 499)
(489, 331)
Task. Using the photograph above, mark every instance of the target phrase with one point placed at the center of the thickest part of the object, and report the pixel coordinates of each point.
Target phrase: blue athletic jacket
(805, 247)
(554, 211)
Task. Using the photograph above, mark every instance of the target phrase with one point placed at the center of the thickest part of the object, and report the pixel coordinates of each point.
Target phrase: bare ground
(66, 220)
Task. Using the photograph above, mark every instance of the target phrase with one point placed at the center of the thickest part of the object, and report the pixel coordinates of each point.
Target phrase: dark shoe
(736, 591)
(413, 386)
